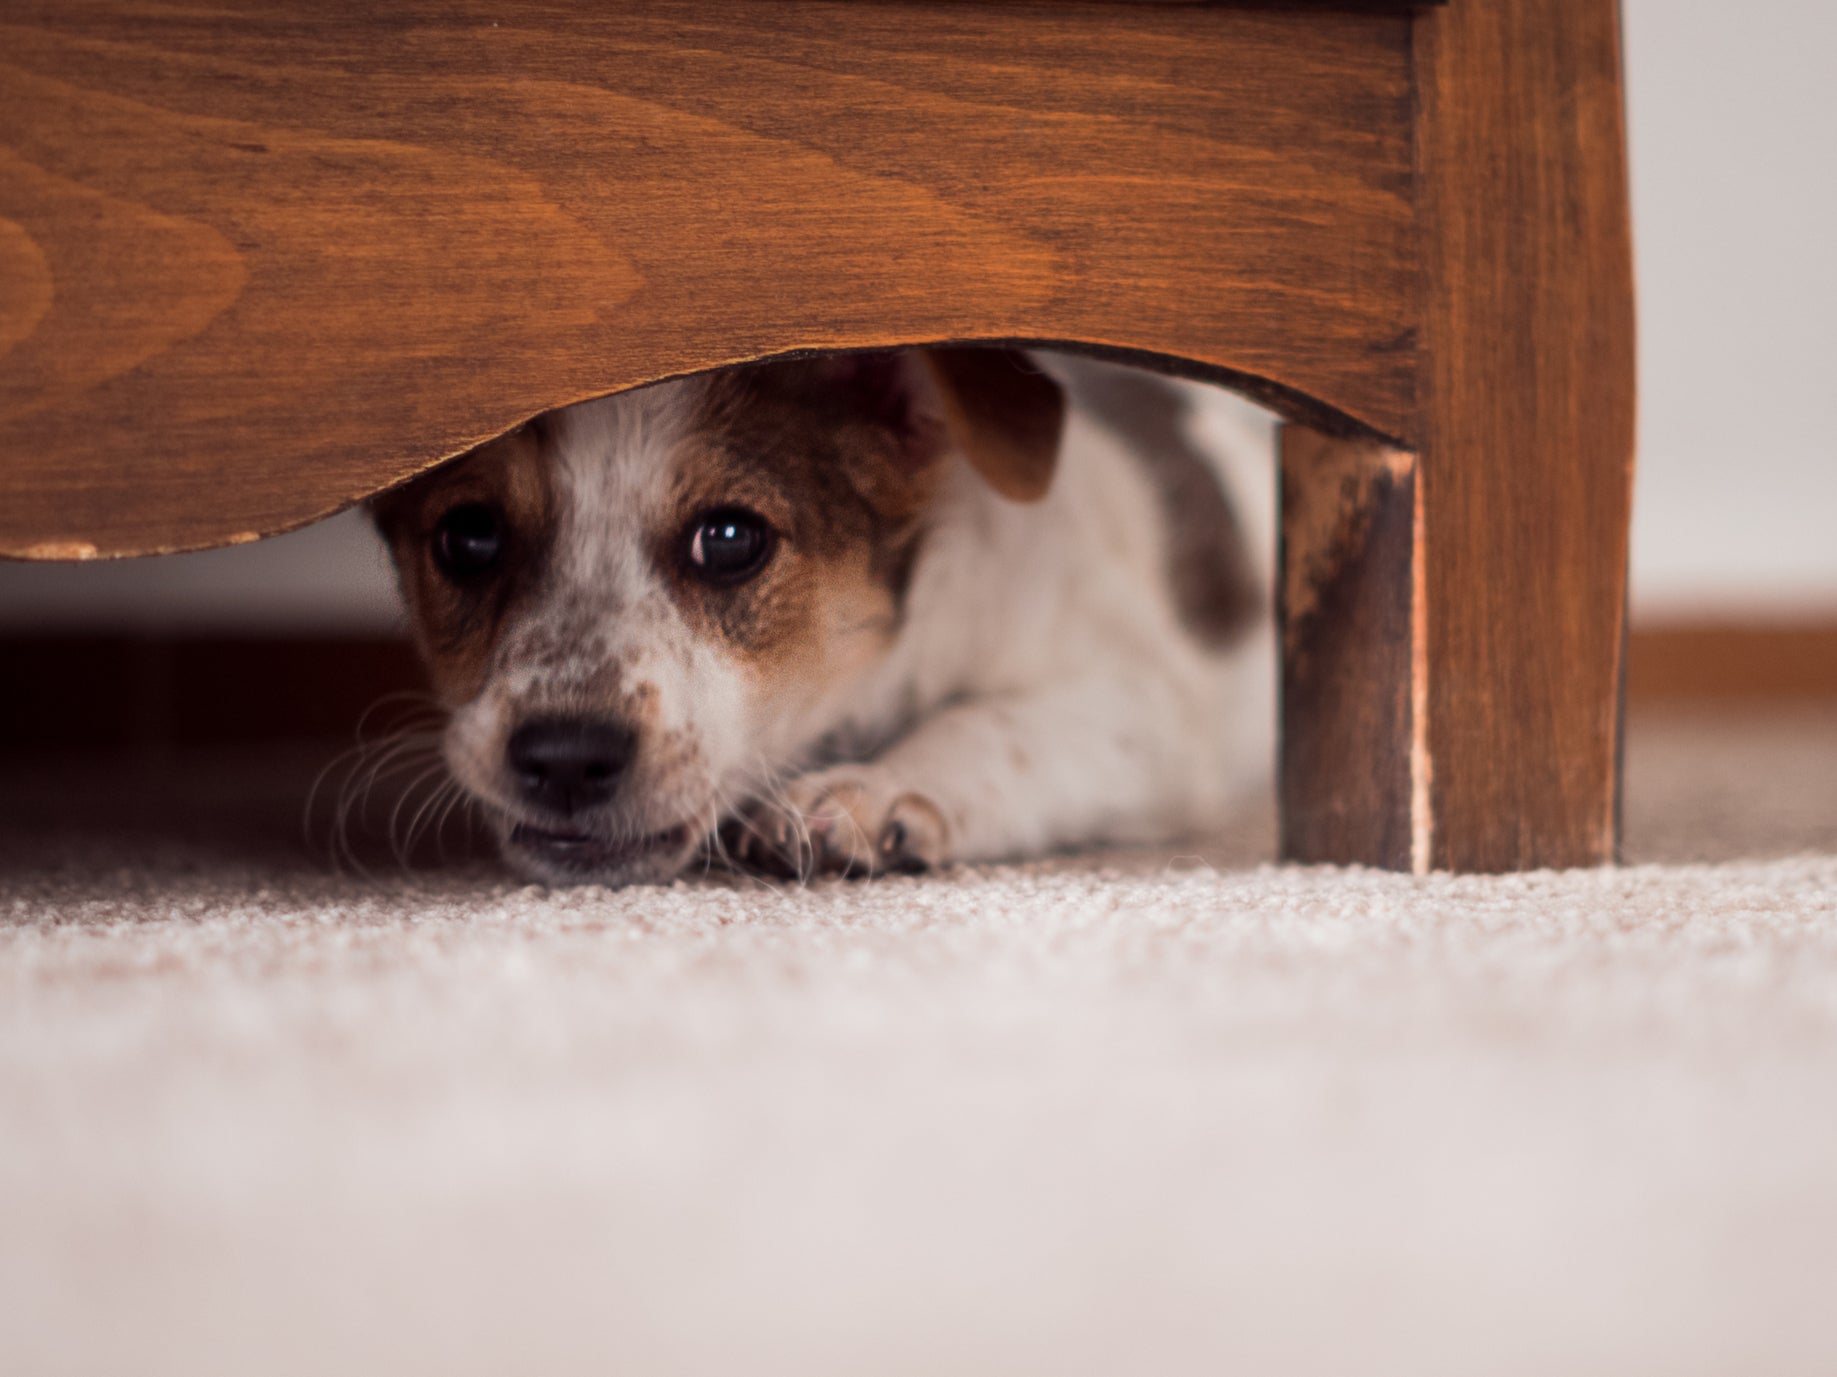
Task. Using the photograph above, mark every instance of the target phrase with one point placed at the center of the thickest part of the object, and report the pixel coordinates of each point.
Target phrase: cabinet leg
(1455, 620)
(1350, 607)
(1437, 717)
(1525, 435)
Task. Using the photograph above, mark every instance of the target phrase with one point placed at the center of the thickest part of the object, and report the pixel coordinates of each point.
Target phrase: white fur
(1040, 691)
(1043, 692)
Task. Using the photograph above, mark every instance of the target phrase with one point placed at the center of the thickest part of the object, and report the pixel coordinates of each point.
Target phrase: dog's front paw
(852, 820)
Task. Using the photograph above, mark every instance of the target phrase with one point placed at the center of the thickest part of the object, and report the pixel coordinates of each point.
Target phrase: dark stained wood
(263, 259)
(1350, 615)
(1526, 428)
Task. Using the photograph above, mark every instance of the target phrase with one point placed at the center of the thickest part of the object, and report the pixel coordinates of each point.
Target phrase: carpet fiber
(1127, 1113)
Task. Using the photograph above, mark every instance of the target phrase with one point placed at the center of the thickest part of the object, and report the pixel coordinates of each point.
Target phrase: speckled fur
(927, 672)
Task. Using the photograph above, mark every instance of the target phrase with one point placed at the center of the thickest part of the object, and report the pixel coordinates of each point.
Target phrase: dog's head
(639, 608)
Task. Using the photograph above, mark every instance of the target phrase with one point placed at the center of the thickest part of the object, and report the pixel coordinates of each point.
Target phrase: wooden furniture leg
(1349, 609)
(1454, 620)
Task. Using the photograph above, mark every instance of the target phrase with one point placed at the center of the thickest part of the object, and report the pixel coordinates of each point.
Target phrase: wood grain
(1350, 613)
(1526, 428)
(264, 259)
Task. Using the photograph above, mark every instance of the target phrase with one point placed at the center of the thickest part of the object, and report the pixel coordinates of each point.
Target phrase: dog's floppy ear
(1004, 413)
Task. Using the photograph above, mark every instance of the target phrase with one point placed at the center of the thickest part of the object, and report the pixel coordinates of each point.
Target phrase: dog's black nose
(570, 763)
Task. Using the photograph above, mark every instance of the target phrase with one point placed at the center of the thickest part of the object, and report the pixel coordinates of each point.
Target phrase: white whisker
(351, 777)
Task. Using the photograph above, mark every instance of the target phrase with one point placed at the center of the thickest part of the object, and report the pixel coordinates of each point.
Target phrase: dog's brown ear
(1005, 414)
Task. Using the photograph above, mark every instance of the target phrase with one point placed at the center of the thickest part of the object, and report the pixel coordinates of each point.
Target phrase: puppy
(855, 614)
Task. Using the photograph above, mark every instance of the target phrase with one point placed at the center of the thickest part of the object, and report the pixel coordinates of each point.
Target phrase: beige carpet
(1124, 1114)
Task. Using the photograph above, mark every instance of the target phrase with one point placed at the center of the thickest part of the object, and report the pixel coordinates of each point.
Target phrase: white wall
(1733, 115)
(330, 577)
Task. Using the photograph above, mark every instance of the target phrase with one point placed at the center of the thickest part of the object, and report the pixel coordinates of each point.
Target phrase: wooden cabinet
(260, 261)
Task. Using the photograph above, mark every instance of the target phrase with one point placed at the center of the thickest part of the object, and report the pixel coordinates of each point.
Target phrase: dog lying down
(847, 615)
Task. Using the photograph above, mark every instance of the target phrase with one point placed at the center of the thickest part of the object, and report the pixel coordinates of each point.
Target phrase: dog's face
(639, 608)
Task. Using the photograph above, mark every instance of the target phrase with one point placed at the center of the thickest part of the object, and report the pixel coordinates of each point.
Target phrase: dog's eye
(468, 540)
(728, 545)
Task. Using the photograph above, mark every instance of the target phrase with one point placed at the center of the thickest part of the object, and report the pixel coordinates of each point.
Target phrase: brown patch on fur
(834, 455)
(457, 626)
(1208, 561)
(1007, 415)
(642, 709)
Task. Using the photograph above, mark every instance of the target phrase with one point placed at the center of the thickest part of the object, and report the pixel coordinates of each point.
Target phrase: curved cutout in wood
(277, 257)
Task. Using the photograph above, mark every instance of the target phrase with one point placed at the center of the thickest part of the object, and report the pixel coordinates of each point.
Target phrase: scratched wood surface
(1527, 429)
(1454, 619)
(263, 259)
(1349, 615)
